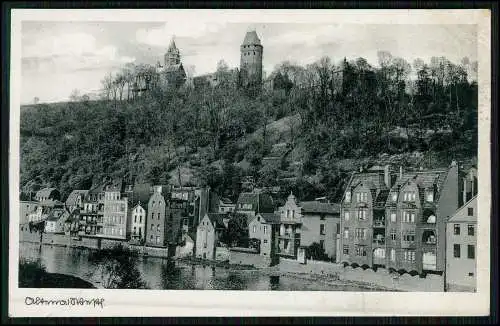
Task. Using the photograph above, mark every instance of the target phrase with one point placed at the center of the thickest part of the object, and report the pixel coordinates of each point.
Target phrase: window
(456, 229)
(322, 217)
(470, 211)
(393, 234)
(346, 233)
(393, 217)
(348, 197)
(121, 231)
(471, 274)
(322, 243)
(393, 255)
(158, 228)
(394, 196)
(135, 230)
(470, 229)
(159, 214)
(152, 227)
(409, 255)
(471, 254)
(429, 196)
(345, 250)
(151, 238)
(287, 213)
(362, 214)
(346, 216)
(293, 213)
(361, 251)
(409, 196)
(338, 229)
(265, 229)
(409, 236)
(456, 250)
(135, 218)
(408, 217)
(361, 234)
(322, 229)
(265, 240)
(157, 240)
(362, 197)
(254, 229)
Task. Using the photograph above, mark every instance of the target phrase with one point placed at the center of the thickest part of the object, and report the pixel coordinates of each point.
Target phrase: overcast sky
(58, 57)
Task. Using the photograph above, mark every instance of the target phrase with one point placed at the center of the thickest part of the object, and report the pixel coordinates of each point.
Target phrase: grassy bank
(34, 275)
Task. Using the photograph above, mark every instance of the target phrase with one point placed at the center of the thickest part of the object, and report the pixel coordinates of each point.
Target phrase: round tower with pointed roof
(251, 59)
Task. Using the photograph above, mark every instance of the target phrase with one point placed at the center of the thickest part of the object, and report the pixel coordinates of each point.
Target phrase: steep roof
(45, 192)
(319, 207)
(251, 38)
(270, 218)
(217, 220)
(55, 214)
(423, 179)
(261, 202)
(172, 47)
(73, 196)
(461, 215)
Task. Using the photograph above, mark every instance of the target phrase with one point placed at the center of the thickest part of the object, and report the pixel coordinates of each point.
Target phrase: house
(137, 223)
(92, 212)
(75, 199)
(53, 223)
(208, 234)
(226, 206)
(115, 214)
(461, 247)
(398, 221)
(47, 193)
(255, 202)
(307, 222)
(43, 210)
(25, 209)
(177, 211)
(265, 228)
(155, 221)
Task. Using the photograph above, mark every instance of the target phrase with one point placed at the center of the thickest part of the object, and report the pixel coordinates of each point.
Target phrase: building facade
(305, 223)
(398, 221)
(461, 248)
(253, 203)
(155, 221)
(137, 220)
(115, 211)
(265, 228)
(226, 206)
(172, 71)
(25, 209)
(75, 200)
(208, 234)
(92, 212)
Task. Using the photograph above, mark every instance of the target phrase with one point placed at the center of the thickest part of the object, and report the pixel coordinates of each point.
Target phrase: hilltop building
(172, 71)
(251, 53)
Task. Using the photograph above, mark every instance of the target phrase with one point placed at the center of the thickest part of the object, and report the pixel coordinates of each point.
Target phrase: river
(178, 276)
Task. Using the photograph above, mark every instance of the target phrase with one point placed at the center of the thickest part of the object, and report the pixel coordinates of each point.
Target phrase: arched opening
(429, 237)
(354, 265)
(402, 271)
(345, 264)
(429, 216)
(365, 267)
(392, 270)
(413, 273)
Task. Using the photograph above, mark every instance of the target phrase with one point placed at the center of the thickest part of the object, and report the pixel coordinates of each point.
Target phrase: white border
(126, 303)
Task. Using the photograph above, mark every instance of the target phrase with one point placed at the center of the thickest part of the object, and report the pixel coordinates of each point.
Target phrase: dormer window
(409, 196)
(429, 196)
(348, 197)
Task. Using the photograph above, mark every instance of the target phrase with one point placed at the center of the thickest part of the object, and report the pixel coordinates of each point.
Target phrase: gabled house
(226, 206)
(265, 228)
(461, 248)
(208, 233)
(137, 223)
(53, 223)
(47, 194)
(155, 221)
(75, 199)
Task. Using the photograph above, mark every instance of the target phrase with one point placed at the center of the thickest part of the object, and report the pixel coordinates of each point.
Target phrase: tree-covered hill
(307, 135)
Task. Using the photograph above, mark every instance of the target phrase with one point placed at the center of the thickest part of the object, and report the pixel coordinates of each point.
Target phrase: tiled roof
(55, 215)
(261, 202)
(270, 218)
(217, 219)
(45, 192)
(251, 38)
(318, 207)
(73, 196)
(424, 179)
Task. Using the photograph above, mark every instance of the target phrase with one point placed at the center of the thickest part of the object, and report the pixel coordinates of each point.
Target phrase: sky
(58, 56)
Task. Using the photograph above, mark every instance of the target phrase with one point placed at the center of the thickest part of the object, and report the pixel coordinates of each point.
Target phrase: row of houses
(422, 221)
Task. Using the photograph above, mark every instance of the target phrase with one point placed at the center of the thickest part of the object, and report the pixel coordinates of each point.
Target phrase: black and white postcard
(249, 163)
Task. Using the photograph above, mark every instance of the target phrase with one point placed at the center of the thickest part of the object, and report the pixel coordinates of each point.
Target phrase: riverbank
(214, 263)
(32, 275)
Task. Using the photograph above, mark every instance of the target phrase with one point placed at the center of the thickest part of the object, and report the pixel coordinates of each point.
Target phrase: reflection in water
(167, 274)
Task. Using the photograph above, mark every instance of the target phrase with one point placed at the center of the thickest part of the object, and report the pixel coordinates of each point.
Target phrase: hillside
(307, 139)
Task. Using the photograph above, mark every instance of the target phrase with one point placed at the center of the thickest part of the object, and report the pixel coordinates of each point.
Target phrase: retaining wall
(382, 277)
(249, 258)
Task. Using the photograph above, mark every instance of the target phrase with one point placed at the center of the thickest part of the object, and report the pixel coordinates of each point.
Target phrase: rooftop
(319, 207)
(251, 38)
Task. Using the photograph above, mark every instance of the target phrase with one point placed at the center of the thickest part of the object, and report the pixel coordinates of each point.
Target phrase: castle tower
(173, 56)
(251, 60)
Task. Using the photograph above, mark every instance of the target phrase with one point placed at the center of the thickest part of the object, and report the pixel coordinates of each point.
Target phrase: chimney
(387, 176)
(401, 172)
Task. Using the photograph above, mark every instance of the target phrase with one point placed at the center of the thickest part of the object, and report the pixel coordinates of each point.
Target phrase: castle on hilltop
(172, 71)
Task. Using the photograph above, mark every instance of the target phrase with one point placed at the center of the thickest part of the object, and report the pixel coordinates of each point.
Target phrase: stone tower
(251, 60)
(173, 56)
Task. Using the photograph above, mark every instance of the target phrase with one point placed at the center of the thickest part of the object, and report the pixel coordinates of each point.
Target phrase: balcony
(378, 223)
(429, 238)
